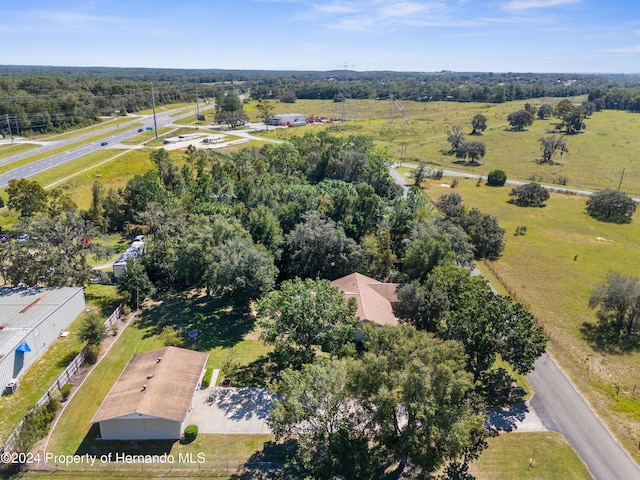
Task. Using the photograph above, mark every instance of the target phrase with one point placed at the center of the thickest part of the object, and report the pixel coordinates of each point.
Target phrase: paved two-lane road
(562, 409)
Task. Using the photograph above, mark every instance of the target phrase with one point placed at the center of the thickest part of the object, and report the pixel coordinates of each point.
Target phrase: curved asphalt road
(556, 401)
(562, 409)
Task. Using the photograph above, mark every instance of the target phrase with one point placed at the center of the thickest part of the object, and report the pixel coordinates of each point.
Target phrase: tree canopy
(457, 306)
(406, 399)
(520, 120)
(303, 315)
(611, 206)
(550, 146)
(26, 197)
(530, 195)
(617, 299)
(478, 124)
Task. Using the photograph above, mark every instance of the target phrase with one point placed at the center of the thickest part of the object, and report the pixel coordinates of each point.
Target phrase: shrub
(230, 366)
(190, 433)
(496, 178)
(454, 182)
(206, 380)
(170, 337)
(530, 195)
(65, 391)
(611, 206)
(91, 353)
(36, 425)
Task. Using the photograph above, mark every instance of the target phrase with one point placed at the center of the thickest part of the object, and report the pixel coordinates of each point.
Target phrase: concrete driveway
(231, 410)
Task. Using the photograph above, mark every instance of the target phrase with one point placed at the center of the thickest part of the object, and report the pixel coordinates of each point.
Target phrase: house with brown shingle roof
(375, 299)
(153, 395)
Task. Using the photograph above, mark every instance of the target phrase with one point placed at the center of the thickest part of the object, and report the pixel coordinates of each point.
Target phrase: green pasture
(595, 160)
(529, 455)
(553, 268)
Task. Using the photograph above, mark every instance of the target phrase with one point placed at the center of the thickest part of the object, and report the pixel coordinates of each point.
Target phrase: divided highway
(55, 160)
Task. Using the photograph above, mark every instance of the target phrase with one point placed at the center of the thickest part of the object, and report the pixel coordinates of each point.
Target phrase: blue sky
(572, 36)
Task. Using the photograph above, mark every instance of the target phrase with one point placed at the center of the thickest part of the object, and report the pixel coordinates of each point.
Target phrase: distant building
(31, 320)
(135, 250)
(153, 396)
(287, 120)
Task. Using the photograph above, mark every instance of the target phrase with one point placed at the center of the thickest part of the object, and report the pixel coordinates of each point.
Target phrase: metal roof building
(288, 119)
(30, 320)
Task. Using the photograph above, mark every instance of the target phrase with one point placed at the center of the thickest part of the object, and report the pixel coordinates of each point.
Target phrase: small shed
(153, 396)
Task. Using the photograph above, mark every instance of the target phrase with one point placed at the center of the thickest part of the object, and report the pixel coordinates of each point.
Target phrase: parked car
(4, 238)
(23, 237)
(104, 144)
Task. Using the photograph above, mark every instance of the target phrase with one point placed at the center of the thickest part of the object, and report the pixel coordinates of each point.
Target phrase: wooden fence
(76, 363)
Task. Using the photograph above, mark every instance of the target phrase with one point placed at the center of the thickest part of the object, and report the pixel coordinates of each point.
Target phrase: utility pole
(153, 104)
(9, 125)
(197, 104)
(621, 177)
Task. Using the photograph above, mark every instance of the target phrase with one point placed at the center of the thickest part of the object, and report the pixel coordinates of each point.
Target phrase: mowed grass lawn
(221, 330)
(529, 455)
(553, 268)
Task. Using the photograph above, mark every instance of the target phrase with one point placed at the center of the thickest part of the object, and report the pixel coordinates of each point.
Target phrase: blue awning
(23, 347)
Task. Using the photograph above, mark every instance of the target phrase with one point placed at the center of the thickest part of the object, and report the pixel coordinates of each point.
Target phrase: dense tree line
(53, 103)
(233, 223)
(47, 99)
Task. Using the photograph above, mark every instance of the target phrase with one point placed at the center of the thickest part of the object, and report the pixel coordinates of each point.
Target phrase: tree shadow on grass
(607, 338)
(203, 323)
(92, 445)
(261, 372)
(106, 304)
(276, 461)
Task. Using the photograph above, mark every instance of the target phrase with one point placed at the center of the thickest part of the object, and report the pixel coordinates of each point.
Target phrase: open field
(539, 269)
(595, 160)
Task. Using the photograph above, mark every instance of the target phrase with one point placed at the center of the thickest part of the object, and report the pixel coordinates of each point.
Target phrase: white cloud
(631, 49)
(527, 4)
